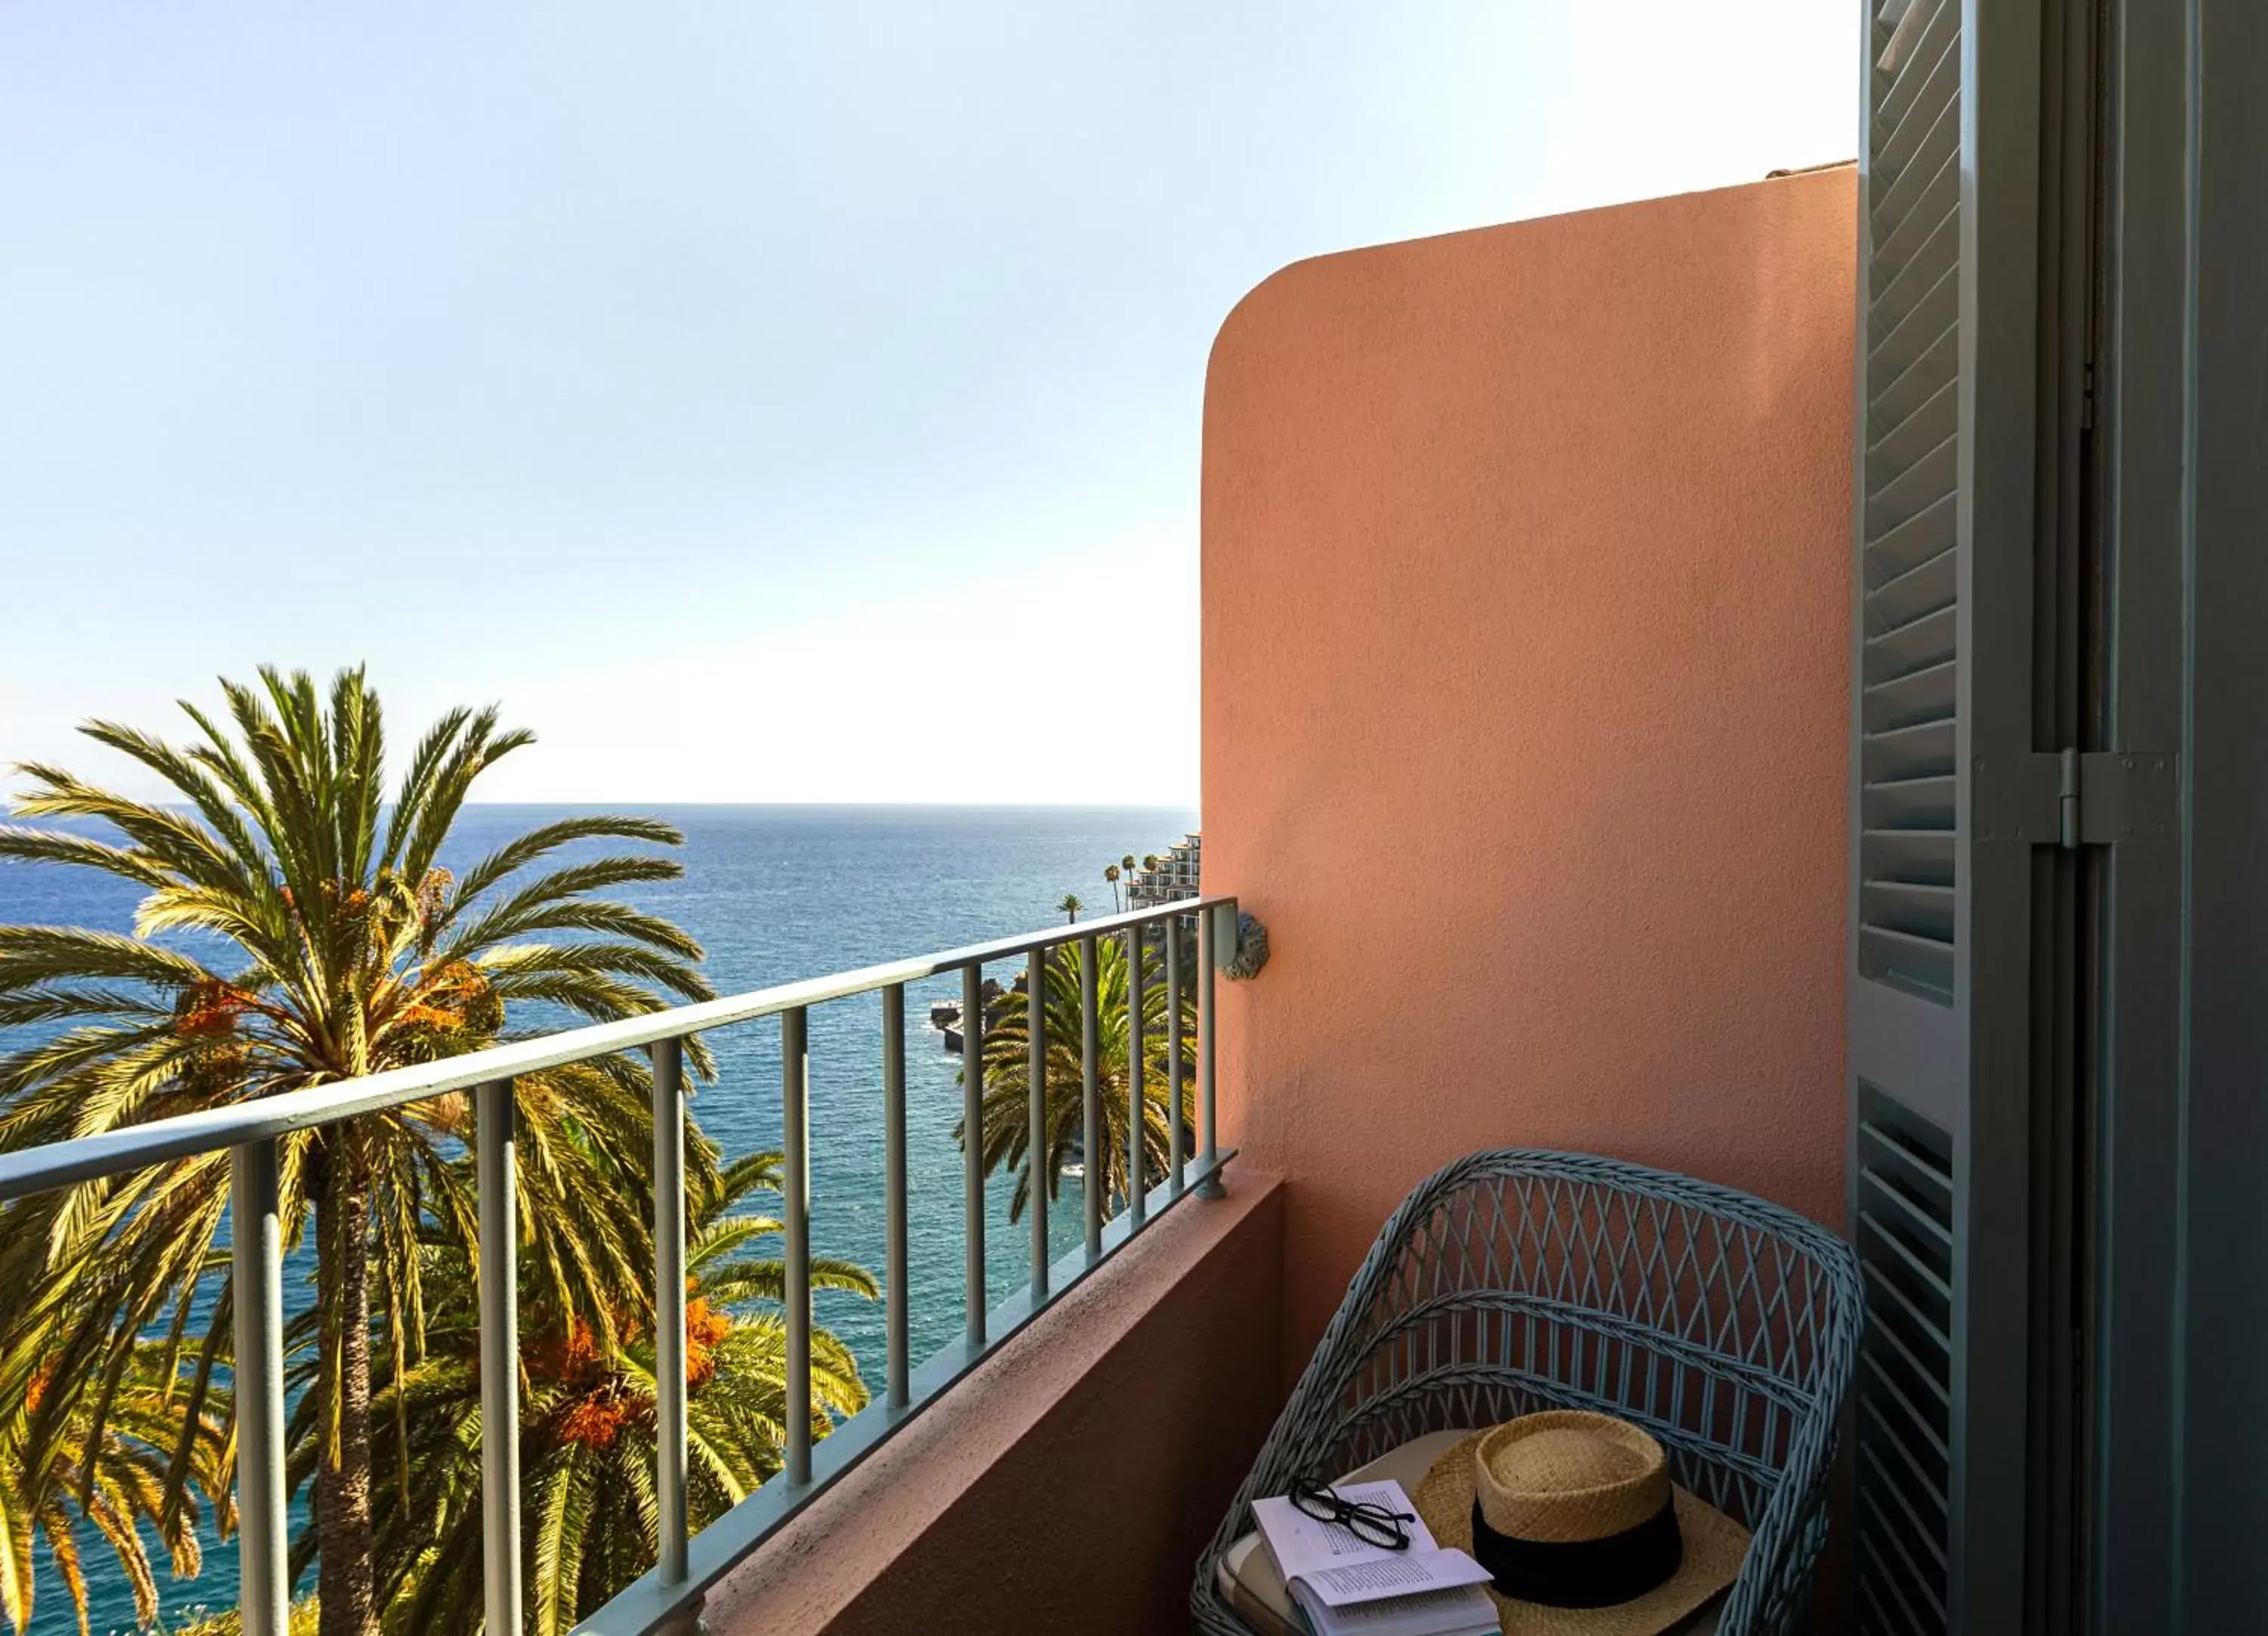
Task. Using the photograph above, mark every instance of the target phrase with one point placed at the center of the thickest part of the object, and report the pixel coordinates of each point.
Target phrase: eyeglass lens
(1374, 1525)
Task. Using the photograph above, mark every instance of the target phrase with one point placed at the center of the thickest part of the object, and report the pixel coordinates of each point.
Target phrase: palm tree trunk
(344, 1534)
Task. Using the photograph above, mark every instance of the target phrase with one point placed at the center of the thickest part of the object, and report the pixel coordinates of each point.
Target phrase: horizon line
(993, 806)
(936, 806)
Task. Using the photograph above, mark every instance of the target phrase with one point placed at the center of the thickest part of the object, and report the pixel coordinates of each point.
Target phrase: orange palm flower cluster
(210, 1010)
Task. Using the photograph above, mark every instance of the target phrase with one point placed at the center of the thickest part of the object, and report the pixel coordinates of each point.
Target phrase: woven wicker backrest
(1520, 1280)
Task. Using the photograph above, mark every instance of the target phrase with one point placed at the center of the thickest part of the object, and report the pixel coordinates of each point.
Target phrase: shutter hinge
(2126, 795)
(2086, 399)
(2075, 798)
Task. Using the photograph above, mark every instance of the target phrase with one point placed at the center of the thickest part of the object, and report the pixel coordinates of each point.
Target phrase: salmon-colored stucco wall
(1526, 596)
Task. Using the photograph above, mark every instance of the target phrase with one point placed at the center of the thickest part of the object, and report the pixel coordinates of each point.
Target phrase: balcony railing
(689, 1563)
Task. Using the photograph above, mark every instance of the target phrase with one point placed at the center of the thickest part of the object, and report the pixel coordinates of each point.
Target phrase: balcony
(1526, 587)
(1526, 592)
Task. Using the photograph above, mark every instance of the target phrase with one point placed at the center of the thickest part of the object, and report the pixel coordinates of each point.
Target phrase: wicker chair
(1521, 1280)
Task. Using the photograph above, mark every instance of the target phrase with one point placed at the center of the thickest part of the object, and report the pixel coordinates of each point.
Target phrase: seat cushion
(1250, 1582)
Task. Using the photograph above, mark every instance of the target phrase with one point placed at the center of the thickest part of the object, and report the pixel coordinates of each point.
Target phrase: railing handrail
(132, 1147)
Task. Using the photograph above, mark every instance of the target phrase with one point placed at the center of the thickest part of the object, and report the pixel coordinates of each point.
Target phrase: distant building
(1174, 878)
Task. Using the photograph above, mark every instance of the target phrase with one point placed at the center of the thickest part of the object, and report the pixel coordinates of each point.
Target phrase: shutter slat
(1909, 43)
(1936, 57)
(1917, 645)
(1931, 530)
(1930, 1486)
(1917, 488)
(1938, 1288)
(1911, 338)
(1923, 1567)
(1879, 1619)
(1898, 1519)
(1914, 1522)
(1905, 1255)
(1924, 804)
(1933, 369)
(1896, 244)
(1887, 1142)
(1932, 424)
(1932, 1337)
(1913, 1577)
(1921, 695)
(1909, 1346)
(1916, 752)
(1922, 966)
(1937, 253)
(1909, 857)
(1915, 907)
(1913, 1423)
(1939, 142)
(1922, 589)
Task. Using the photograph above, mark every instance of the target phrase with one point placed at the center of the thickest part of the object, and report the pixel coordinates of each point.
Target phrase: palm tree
(1007, 1072)
(587, 1424)
(1070, 906)
(64, 1475)
(1110, 874)
(298, 929)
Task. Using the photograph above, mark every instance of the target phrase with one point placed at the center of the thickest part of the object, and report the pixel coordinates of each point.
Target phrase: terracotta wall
(1525, 597)
(1071, 1481)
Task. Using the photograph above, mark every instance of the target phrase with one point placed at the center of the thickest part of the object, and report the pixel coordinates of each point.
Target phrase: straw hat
(1580, 1521)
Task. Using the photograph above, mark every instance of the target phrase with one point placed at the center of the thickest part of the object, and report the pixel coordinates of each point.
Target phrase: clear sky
(764, 403)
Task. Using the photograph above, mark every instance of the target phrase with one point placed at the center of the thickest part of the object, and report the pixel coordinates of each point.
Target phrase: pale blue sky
(762, 402)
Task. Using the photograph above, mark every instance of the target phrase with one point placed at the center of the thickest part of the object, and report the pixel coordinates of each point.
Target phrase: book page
(1303, 1544)
(1408, 1574)
(1342, 1569)
(1463, 1610)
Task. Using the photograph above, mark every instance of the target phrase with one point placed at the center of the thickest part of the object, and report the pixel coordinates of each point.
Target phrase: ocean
(777, 893)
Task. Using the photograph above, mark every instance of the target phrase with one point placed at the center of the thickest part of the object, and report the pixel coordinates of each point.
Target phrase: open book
(1346, 1586)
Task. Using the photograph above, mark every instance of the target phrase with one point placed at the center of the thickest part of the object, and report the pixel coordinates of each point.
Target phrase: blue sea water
(777, 893)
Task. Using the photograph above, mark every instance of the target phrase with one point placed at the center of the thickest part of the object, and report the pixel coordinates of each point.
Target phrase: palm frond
(36, 954)
(524, 850)
(549, 903)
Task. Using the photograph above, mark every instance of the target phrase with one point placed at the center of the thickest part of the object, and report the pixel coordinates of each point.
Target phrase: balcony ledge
(1071, 1481)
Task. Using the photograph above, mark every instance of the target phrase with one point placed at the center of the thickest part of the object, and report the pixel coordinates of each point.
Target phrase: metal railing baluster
(898, 1368)
(1137, 1205)
(1175, 1140)
(255, 1235)
(795, 1194)
(1209, 955)
(1093, 1160)
(1042, 1167)
(670, 1455)
(972, 1144)
(499, 1295)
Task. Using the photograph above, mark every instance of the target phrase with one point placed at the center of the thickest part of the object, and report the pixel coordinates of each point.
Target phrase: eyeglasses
(1374, 1525)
